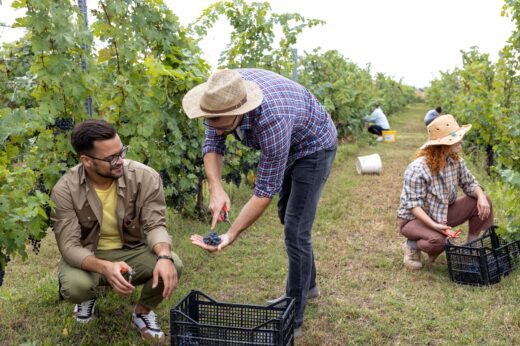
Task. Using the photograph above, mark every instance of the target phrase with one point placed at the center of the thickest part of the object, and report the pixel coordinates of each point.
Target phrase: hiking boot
(298, 332)
(412, 258)
(84, 311)
(148, 326)
(311, 294)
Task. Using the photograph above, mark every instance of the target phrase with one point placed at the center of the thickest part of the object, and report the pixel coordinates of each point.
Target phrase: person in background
(297, 141)
(110, 219)
(379, 122)
(429, 206)
(431, 115)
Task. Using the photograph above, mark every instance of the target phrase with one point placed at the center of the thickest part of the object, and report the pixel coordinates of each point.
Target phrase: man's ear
(85, 161)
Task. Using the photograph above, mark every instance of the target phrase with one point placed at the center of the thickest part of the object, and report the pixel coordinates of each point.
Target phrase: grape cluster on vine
(36, 244)
(64, 124)
(2, 271)
(233, 177)
(165, 177)
(178, 201)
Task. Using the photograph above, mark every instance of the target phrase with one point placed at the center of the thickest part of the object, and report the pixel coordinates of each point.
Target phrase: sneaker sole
(151, 339)
(274, 301)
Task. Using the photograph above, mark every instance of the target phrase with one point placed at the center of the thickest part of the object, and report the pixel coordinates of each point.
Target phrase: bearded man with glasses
(109, 219)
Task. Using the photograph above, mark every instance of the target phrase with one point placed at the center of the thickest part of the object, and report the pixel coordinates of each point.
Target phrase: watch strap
(165, 257)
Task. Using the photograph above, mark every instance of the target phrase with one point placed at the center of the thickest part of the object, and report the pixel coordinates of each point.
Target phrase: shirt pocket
(86, 217)
(132, 236)
(87, 220)
(131, 224)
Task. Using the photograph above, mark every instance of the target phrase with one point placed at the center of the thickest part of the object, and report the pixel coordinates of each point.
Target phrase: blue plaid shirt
(288, 125)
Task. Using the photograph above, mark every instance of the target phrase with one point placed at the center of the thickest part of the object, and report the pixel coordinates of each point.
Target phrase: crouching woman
(429, 206)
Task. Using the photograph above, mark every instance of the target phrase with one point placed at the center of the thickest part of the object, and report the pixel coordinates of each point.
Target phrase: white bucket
(370, 164)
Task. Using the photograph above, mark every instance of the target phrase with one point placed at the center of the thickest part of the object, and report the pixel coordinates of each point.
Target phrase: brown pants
(431, 241)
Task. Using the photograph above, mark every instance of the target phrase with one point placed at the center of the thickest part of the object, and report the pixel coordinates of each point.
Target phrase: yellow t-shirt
(109, 238)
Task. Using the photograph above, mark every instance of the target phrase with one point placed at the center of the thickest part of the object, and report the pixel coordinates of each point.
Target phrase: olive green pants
(78, 285)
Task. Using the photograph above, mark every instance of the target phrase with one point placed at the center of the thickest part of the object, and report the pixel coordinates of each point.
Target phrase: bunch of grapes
(165, 177)
(36, 244)
(235, 177)
(64, 124)
(2, 271)
(178, 201)
(212, 239)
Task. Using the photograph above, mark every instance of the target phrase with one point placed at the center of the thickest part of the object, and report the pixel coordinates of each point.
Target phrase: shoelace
(85, 308)
(150, 320)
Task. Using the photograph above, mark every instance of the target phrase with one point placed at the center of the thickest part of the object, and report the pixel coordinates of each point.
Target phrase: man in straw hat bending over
(429, 205)
(297, 142)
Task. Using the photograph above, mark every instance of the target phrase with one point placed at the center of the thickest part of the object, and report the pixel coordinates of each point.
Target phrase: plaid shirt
(288, 125)
(434, 193)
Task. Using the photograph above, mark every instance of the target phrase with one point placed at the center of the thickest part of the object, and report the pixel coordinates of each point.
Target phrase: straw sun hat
(444, 130)
(225, 93)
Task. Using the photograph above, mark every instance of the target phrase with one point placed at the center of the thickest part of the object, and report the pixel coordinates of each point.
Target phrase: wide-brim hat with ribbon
(445, 130)
(225, 93)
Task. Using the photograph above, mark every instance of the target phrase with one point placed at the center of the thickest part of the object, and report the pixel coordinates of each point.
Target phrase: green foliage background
(486, 95)
(140, 61)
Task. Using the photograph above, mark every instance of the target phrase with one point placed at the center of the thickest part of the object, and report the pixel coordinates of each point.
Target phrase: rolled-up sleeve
(213, 143)
(414, 188)
(153, 212)
(66, 227)
(275, 141)
(467, 181)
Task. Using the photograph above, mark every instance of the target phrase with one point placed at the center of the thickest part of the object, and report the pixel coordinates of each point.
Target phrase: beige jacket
(78, 214)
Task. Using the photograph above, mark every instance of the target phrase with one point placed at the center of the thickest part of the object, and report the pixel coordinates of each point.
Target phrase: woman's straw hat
(444, 130)
(225, 93)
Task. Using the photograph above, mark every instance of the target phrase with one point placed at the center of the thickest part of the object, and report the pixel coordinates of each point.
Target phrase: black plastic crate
(199, 320)
(482, 261)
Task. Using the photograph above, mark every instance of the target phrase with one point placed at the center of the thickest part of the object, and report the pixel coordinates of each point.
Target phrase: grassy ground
(368, 298)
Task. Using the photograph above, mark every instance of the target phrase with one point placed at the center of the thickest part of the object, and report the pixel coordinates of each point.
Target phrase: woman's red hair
(436, 156)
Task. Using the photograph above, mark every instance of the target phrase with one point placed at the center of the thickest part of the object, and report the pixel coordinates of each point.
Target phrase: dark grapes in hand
(212, 239)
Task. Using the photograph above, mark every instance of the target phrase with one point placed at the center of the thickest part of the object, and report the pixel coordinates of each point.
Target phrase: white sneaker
(84, 311)
(148, 326)
(379, 139)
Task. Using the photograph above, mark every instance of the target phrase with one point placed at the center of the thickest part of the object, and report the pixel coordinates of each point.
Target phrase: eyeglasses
(112, 159)
(223, 129)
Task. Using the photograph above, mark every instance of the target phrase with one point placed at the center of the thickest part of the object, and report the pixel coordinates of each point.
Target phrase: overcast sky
(409, 39)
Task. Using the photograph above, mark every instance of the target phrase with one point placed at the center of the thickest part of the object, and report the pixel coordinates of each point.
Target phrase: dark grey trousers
(299, 197)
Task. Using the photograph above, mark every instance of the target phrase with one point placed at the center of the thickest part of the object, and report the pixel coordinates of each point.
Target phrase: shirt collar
(247, 120)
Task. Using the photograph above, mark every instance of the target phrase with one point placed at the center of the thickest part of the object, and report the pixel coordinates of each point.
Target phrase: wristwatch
(165, 257)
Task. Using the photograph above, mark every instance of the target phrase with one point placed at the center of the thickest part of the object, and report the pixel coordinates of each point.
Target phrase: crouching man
(110, 227)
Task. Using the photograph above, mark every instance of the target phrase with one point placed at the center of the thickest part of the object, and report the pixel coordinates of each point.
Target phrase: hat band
(238, 105)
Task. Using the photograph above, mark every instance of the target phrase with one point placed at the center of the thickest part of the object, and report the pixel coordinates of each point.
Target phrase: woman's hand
(442, 228)
(483, 207)
(199, 241)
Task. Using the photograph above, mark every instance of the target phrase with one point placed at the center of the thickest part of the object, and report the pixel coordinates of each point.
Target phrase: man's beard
(110, 175)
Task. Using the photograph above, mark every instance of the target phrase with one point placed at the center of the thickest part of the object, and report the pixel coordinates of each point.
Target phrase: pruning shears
(224, 215)
(129, 271)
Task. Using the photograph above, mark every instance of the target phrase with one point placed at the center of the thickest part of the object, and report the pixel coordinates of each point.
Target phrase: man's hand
(113, 275)
(199, 241)
(217, 201)
(165, 269)
(483, 207)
